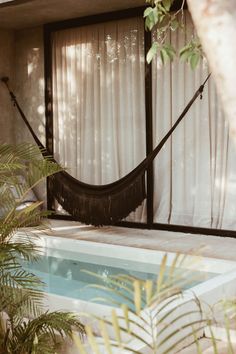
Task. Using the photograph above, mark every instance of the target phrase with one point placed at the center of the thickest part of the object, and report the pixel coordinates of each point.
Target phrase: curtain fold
(99, 122)
(195, 170)
(99, 101)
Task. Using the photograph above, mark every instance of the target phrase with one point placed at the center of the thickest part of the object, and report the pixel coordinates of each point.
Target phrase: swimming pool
(66, 287)
(72, 274)
(65, 260)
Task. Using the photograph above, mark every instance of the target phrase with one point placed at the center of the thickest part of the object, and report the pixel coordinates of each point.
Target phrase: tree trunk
(215, 22)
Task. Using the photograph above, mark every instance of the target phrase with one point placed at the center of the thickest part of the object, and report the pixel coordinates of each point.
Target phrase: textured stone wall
(6, 69)
(29, 82)
(29, 88)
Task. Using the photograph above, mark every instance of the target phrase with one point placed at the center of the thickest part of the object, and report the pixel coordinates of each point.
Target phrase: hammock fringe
(98, 209)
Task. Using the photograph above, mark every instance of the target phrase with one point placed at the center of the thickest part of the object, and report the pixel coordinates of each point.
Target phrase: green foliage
(25, 327)
(160, 18)
(192, 53)
(21, 168)
(41, 335)
(167, 52)
(152, 315)
(152, 52)
(155, 317)
(151, 17)
(158, 14)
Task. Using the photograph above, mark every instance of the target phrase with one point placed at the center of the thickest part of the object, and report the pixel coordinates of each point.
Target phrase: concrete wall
(29, 82)
(22, 60)
(29, 89)
(7, 51)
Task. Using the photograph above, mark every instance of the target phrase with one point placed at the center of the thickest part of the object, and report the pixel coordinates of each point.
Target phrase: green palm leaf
(152, 314)
(25, 327)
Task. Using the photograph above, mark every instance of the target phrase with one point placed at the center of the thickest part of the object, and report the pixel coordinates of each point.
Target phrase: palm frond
(20, 153)
(50, 326)
(26, 217)
(25, 327)
(18, 303)
(153, 314)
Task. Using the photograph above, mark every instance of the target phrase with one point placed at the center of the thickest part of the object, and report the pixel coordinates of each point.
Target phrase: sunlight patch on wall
(3, 1)
(30, 68)
(40, 109)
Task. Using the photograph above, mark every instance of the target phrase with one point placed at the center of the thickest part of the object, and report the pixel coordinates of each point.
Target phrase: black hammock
(109, 203)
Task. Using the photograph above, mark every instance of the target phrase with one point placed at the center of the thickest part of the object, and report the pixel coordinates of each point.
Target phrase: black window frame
(101, 18)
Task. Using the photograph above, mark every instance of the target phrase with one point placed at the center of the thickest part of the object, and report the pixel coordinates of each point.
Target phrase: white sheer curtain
(99, 101)
(99, 122)
(195, 174)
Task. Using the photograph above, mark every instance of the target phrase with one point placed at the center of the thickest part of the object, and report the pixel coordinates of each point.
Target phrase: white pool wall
(133, 254)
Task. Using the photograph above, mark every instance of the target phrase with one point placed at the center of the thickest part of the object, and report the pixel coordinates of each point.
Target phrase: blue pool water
(66, 273)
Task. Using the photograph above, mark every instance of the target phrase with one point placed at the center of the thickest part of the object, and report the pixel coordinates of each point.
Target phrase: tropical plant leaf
(167, 4)
(29, 335)
(157, 318)
(25, 327)
(152, 52)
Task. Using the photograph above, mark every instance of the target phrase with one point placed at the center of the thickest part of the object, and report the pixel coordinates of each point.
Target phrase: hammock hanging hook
(5, 80)
(201, 88)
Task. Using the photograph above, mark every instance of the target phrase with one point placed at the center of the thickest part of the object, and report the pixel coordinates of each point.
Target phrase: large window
(101, 123)
(194, 173)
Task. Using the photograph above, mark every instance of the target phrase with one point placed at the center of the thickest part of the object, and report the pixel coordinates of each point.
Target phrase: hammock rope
(102, 204)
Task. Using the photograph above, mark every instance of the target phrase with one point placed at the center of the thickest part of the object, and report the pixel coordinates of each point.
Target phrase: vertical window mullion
(48, 107)
(149, 128)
